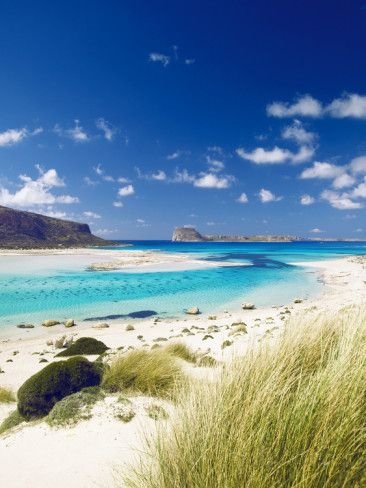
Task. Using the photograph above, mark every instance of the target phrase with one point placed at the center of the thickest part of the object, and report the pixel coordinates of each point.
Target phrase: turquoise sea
(32, 289)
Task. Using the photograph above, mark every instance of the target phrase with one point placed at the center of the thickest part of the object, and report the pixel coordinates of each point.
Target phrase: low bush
(153, 373)
(83, 347)
(6, 395)
(12, 420)
(180, 350)
(38, 395)
(74, 408)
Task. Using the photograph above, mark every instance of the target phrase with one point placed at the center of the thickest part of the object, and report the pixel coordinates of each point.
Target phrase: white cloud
(159, 175)
(10, 137)
(358, 165)
(183, 177)
(210, 180)
(297, 133)
(176, 154)
(89, 181)
(140, 221)
(305, 106)
(36, 192)
(322, 170)
(122, 179)
(117, 204)
(343, 181)
(360, 190)
(349, 105)
(316, 231)
(242, 198)
(215, 165)
(107, 128)
(125, 191)
(189, 61)
(267, 196)
(276, 155)
(160, 58)
(307, 200)
(341, 201)
(76, 133)
(91, 215)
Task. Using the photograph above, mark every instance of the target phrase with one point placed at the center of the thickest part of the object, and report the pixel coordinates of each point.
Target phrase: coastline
(343, 283)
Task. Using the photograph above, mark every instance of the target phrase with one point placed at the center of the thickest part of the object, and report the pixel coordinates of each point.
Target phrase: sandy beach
(87, 454)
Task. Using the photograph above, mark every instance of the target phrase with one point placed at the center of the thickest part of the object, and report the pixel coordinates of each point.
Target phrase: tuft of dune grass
(6, 395)
(182, 351)
(154, 373)
(289, 414)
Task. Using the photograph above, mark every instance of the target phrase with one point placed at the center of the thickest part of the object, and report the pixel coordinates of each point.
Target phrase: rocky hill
(27, 230)
(189, 234)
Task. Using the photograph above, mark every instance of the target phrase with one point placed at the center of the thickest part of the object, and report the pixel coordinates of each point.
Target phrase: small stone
(101, 326)
(248, 306)
(25, 326)
(50, 323)
(193, 311)
(212, 317)
(69, 323)
(129, 327)
(298, 300)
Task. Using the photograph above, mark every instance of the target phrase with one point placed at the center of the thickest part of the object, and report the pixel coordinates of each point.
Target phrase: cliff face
(20, 229)
(186, 234)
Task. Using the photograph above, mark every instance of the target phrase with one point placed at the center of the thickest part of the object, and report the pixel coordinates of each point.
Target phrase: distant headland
(27, 230)
(190, 234)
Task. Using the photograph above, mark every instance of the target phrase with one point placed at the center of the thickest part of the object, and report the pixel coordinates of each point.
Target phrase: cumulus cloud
(210, 180)
(322, 170)
(189, 61)
(10, 137)
(35, 192)
(76, 133)
(307, 200)
(215, 165)
(159, 175)
(341, 201)
(358, 165)
(91, 215)
(298, 133)
(107, 128)
(349, 105)
(343, 181)
(305, 106)
(267, 196)
(118, 204)
(276, 155)
(126, 191)
(242, 198)
(316, 231)
(159, 58)
(360, 190)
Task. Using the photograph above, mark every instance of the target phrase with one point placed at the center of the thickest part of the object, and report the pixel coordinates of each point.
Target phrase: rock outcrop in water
(27, 230)
(189, 234)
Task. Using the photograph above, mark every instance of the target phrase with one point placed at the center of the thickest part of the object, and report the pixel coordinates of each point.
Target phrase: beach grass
(288, 414)
(182, 351)
(154, 373)
(12, 420)
(6, 395)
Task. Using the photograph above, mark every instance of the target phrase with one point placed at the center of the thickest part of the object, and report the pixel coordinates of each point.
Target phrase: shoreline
(109, 441)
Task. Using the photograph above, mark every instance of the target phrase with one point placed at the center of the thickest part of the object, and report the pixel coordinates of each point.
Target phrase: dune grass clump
(182, 351)
(12, 420)
(74, 408)
(38, 395)
(153, 372)
(6, 395)
(288, 414)
(84, 346)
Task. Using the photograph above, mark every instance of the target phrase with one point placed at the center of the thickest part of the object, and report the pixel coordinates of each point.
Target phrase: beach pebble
(298, 300)
(69, 323)
(25, 326)
(193, 311)
(50, 323)
(248, 306)
(101, 326)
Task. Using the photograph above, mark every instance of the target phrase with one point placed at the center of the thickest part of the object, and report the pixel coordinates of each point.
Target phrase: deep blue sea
(33, 289)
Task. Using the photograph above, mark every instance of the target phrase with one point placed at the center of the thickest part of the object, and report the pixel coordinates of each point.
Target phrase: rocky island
(190, 234)
(27, 230)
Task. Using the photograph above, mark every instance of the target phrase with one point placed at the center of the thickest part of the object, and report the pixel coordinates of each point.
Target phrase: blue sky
(138, 116)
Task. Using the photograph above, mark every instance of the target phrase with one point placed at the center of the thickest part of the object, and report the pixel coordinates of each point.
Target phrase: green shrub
(84, 346)
(74, 408)
(206, 361)
(40, 392)
(180, 350)
(12, 420)
(149, 372)
(6, 395)
(156, 412)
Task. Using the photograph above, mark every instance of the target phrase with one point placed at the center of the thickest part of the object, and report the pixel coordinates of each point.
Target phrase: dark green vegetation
(73, 408)
(6, 395)
(38, 395)
(84, 346)
(12, 420)
(19, 229)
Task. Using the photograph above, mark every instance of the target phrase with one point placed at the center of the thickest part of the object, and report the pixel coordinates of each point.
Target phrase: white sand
(84, 456)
